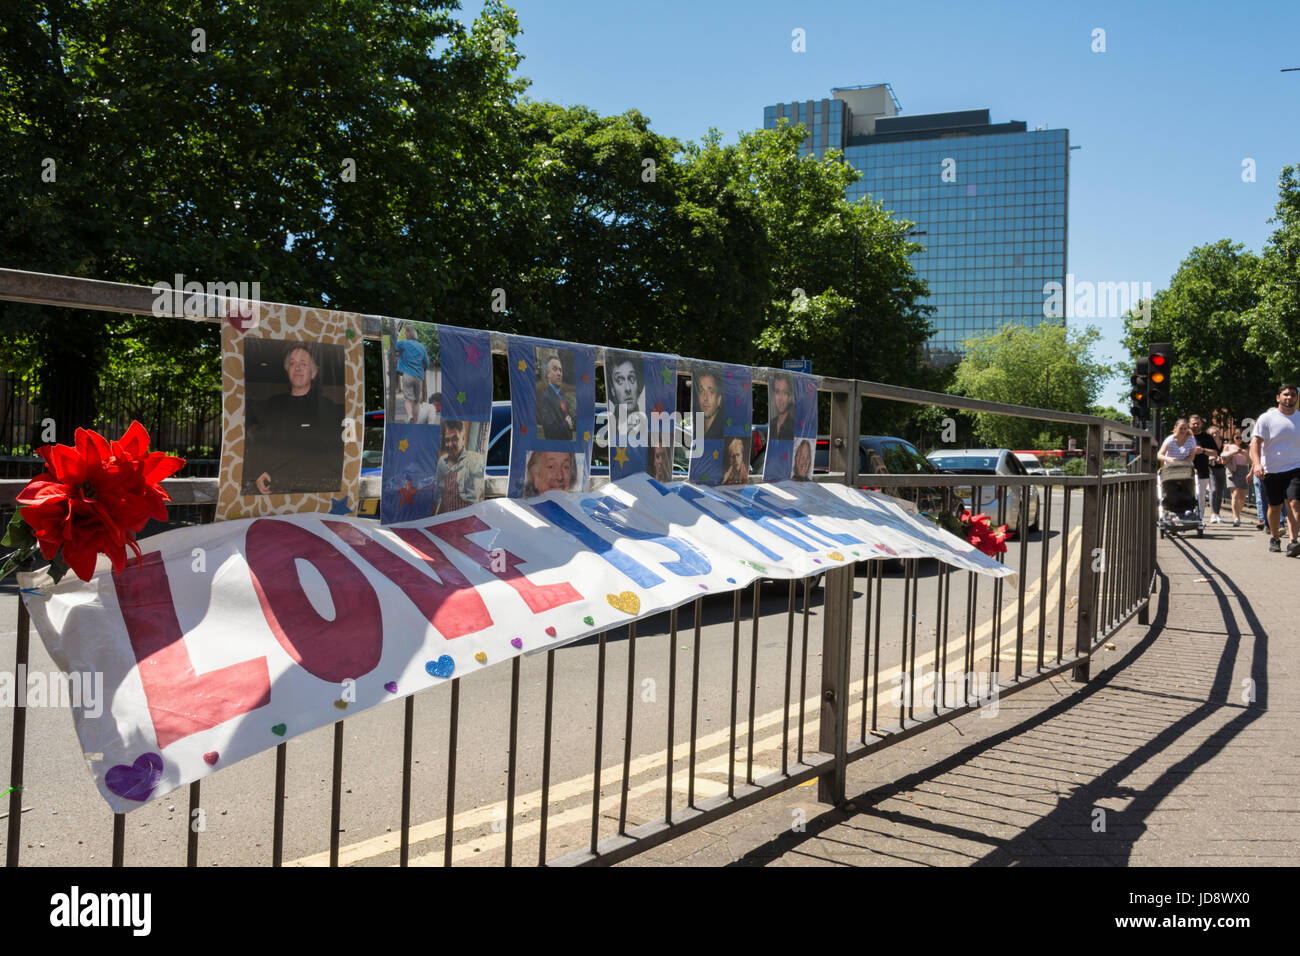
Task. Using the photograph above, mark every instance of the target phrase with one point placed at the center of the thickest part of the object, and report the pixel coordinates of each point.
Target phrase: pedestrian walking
(1218, 474)
(1204, 492)
(1275, 457)
(1236, 460)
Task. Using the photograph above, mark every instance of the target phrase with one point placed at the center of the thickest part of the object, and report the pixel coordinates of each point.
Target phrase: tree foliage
(381, 158)
(1208, 313)
(1041, 366)
(224, 157)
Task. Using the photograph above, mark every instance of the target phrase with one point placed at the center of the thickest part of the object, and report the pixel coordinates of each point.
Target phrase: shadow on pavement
(1031, 844)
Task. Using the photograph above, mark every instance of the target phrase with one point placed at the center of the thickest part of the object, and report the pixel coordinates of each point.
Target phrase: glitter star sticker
(472, 354)
(728, 422)
(620, 456)
(586, 436)
(460, 397)
(659, 408)
(666, 374)
(521, 365)
(403, 445)
(585, 378)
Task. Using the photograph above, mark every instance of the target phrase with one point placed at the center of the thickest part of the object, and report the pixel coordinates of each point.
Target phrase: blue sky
(1184, 92)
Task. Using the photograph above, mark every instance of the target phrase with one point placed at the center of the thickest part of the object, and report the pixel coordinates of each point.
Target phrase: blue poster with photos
(721, 420)
(553, 415)
(437, 418)
(791, 425)
(640, 424)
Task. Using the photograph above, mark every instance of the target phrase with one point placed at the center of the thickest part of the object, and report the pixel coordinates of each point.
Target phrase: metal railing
(897, 656)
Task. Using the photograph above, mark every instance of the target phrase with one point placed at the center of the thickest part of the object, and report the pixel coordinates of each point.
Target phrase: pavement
(1181, 750)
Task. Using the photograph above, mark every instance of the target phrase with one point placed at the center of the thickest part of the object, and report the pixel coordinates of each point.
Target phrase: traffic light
(1139, 396)
(1160, 359)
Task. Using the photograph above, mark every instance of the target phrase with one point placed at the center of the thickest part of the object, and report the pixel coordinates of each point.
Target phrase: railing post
(833, 730)
(1148, 533)
(1085, 626)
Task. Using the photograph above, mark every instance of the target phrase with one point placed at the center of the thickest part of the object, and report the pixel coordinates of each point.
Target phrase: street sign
(798, 365)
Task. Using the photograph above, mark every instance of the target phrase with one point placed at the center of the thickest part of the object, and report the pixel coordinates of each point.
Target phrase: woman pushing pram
(1177, 484)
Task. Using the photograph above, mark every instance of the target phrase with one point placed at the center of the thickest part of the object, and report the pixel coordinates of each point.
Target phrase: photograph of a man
(708, 403)
(461, 466)
(557, 397)
(625, 386)
(412, 366)
(551, 471)
(293, 393)
(781, 411)
(802, 461)
(737, 470)
(412, 374)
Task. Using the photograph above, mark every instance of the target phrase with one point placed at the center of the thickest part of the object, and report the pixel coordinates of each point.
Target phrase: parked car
(1031, 463)
(990, 461)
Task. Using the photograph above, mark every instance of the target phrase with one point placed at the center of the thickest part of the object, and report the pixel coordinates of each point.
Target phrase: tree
(1040, 366)
(1207, 313)
(359, 156)
(1273, 323)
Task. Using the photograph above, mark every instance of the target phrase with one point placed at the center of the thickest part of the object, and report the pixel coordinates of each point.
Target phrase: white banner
(236, 636)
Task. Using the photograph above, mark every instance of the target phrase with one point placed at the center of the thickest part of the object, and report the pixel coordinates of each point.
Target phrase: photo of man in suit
(556, 401)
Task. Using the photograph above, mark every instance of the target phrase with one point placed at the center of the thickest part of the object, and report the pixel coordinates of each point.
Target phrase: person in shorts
(412, 364)
(1275, 457)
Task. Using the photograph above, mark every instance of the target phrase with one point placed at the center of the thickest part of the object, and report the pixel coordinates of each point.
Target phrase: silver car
(990, 461)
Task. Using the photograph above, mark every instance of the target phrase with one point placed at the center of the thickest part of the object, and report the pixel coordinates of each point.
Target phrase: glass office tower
(990, 200)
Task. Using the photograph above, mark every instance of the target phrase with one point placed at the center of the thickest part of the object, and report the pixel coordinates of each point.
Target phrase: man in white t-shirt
(1275, 457)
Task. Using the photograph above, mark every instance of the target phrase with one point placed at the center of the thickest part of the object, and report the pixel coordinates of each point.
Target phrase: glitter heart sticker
(625, 601)
(481, 657)
(550, 632)
(517, 643)
(391, 687)
(211, 758)
(589, 620)
(279, 730)
(442, 667)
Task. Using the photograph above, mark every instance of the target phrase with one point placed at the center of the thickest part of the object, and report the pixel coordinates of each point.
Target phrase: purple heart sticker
(517, 643)
(391, 687)
(137, 781)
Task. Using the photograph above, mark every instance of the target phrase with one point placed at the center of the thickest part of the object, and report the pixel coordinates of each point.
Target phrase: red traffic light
(1158, 360)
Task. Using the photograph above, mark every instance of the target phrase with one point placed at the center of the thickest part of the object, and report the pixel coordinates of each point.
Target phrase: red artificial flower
(983, 536)
(94, 497)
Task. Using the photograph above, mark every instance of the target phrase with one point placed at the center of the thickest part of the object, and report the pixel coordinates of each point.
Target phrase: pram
(1179, 499)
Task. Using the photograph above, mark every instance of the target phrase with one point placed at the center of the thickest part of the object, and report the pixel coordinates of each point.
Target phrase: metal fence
(182, 421)
(899, 652)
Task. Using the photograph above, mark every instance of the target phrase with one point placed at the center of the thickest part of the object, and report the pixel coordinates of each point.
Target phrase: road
(66, 822)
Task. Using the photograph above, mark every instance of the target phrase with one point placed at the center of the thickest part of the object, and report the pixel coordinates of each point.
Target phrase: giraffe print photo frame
(292, 413)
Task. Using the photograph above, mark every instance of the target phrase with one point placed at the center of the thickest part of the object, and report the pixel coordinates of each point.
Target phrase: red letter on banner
(449, 602)
(539, 598)
(346, 647)
(181, 702)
